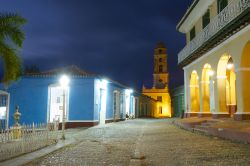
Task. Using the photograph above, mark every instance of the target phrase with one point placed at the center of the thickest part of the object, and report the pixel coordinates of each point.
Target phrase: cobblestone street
(147, 142)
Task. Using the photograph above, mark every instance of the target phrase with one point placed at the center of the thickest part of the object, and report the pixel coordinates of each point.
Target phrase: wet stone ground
(147, 142)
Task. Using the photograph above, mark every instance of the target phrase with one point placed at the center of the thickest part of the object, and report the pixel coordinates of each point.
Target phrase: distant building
(159, 91)
(90, 99)
(216, 58)
(177, 96)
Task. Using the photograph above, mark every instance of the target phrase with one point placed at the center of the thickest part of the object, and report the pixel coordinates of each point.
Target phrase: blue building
(88, 99)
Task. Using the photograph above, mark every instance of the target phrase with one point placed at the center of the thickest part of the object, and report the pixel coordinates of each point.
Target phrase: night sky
(115, 38)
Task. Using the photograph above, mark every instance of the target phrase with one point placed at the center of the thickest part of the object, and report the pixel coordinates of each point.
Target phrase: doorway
(102, 111)
(56, 101)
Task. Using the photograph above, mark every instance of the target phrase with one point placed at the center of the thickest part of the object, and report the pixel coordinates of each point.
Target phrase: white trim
(220, 113)
(67, 95)
(109, 119)
(193, 112)
(48, 103)
(218, 47)
(8, 112)
(3, 92)
(221, 77)
(82, 121)
(244, 113)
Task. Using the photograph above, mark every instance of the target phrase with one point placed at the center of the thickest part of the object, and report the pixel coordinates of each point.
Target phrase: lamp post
(64, 81)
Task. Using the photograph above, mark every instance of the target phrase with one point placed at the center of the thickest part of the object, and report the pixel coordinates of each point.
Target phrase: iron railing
(227, 15)
(28, 138)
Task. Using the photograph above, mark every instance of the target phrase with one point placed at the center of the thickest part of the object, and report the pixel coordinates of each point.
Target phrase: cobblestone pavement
(147, 142)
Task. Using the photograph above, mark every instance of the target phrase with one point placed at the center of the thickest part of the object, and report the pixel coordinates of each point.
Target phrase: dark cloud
(111, 37)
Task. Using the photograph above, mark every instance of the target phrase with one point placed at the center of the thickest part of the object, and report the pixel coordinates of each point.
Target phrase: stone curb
(223, 133)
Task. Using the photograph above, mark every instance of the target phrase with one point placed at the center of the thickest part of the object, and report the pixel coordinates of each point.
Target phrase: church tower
(160, 67)
(159, 91)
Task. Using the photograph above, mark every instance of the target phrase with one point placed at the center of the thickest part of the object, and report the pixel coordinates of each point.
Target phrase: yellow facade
(216, 61)
(159, 91)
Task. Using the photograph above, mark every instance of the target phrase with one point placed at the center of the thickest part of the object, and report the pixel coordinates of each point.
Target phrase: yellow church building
(160, 91)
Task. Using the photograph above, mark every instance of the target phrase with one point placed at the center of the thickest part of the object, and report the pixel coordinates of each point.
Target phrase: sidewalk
(73, 136)
(226, 128)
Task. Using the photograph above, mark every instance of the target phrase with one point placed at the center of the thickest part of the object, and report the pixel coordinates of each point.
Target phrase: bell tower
(160, 67)
(159, 91)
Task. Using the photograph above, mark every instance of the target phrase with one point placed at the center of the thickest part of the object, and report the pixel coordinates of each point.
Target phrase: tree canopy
(11, 39)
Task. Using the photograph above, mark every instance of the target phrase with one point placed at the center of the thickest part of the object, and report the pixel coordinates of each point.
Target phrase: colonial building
(88, 99)
(216, 58)
(159, 91)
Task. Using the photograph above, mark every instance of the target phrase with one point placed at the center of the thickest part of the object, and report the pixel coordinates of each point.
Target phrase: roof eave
(189, 10)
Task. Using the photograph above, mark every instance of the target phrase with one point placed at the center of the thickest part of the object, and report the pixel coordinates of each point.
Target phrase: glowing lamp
(129, 91)
(64, 81)
(230, 66)
(211, 73)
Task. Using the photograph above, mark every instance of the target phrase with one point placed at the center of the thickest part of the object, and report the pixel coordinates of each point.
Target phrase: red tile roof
(69, 70)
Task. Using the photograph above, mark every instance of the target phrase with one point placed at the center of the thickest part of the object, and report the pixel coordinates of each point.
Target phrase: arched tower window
(160, 69)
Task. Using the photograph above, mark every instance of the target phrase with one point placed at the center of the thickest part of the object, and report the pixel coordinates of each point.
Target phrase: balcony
(217, 25)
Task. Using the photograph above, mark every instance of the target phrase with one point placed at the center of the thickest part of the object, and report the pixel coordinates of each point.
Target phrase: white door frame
(49, 101)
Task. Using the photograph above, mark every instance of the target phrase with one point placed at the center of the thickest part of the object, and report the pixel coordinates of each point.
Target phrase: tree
(11, 39)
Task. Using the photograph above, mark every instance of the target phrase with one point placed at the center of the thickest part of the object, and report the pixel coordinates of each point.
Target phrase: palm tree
(11, 39)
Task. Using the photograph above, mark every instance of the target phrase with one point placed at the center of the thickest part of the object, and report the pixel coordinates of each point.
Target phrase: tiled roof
(69, 70)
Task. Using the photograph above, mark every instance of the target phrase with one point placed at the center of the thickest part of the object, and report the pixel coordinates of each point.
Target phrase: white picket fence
(32, 137)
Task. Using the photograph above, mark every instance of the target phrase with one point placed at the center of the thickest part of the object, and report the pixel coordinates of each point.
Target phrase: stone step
(206, 124)
(201, 131)
(201, 127)
(213, 120)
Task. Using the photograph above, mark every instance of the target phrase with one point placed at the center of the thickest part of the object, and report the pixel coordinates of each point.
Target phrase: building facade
(216, 59)
(88, 99)
(178, 104)
(159, 91)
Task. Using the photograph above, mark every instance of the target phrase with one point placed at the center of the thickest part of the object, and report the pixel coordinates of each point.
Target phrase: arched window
(160, 69)
(160, 59)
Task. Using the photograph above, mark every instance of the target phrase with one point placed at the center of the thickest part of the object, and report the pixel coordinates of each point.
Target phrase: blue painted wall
(31, 95)
(81, 104)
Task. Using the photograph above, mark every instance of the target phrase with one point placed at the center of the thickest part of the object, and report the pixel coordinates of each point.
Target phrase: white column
(186, 92)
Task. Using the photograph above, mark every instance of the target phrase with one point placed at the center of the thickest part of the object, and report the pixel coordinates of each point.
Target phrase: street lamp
(64, 81)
